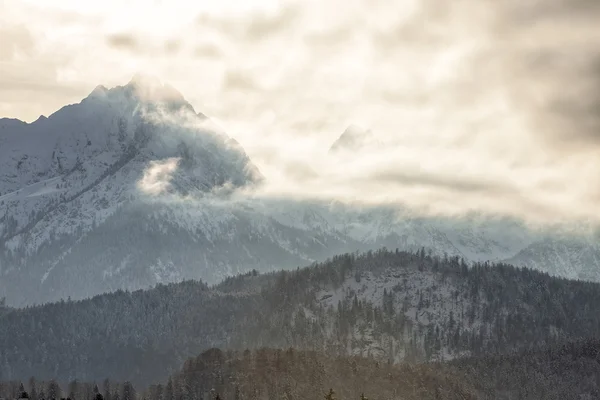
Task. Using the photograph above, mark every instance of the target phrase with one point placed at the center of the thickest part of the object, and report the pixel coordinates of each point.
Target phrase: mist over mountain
(132, 187)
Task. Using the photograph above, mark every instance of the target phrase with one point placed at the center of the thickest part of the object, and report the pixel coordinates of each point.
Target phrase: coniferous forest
(386, 324)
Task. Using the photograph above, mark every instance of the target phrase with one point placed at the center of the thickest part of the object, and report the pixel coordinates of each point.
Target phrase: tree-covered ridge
(390, 305)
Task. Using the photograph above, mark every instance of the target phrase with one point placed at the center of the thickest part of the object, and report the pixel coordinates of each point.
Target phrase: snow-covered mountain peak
(150, 89)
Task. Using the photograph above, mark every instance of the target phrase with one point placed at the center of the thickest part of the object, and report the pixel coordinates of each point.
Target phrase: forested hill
(291, 374)
(560, 372)
(390, 305)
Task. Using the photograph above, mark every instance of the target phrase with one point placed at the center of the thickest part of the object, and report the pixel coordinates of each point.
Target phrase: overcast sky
(478, 104)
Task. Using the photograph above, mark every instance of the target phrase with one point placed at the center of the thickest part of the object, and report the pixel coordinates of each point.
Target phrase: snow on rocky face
(98, 164)
(117, 192)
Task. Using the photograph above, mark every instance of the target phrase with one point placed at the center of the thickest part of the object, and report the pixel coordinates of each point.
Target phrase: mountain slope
(79, 192)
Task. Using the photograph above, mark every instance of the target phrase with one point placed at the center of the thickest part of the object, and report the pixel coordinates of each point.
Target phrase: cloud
(477, 105)
(207, 50)
(172, 46)
(256, 25)
(262, 26)
(239, 80)
(123, 41)
(17, 40)
(157, 177)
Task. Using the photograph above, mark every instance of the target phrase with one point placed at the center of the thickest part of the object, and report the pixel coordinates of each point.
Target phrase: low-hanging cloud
(157, 176)
(476, 104)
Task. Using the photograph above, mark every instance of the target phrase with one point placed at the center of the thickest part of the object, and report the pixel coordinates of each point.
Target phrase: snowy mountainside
(474, 238)
(75, 219)
(80, 215)
(422, 299)
(573, 257)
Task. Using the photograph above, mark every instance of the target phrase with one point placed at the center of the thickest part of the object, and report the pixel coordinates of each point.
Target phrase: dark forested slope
(291, 374)
(390, 305)
(561, 372)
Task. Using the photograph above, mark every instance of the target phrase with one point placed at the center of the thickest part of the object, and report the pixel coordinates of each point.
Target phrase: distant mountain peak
(353, 138)
(142, 89)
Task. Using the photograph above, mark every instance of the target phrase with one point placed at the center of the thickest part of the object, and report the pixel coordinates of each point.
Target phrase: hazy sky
(478, 104)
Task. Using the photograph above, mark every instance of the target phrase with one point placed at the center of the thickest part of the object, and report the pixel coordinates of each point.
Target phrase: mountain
(391, 306)
(354, 138)
(572, 256)
(131, 187)
(118, 191)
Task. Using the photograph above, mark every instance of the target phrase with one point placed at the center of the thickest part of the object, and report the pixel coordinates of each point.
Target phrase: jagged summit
(99, 91)
(149, 88)
(145, 90)
(353, 138)
(145, 80)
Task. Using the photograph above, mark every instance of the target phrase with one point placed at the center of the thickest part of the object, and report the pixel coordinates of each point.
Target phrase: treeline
(266, 374)
(74, 390)
(391, 305)
(561, 372)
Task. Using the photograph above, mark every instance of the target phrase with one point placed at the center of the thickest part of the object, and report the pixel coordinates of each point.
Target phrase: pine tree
(128, 392)
(330, 395)
(169, 390)
(33, 394)
(22, 393)
(96, 393)
(106, 388)
(54, 391)
(74, 390)
(362, 397)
